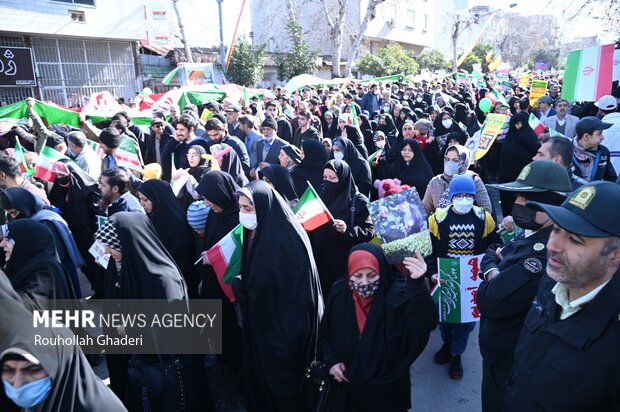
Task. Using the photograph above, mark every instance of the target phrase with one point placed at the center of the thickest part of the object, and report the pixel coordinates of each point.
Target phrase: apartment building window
(82, 2)
(425, 22)
(410, 18)
(390, 12)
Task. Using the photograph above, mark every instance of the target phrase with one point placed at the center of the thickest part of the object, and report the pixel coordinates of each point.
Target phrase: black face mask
(525, 217)
(330, 187)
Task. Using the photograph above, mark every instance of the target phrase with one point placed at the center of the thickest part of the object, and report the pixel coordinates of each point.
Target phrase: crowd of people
(323, 309)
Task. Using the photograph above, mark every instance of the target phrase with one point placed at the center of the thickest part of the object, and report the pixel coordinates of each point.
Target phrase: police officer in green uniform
(511, 274)
(567, 356)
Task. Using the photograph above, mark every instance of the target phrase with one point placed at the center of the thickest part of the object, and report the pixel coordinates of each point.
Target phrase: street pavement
(433, 390)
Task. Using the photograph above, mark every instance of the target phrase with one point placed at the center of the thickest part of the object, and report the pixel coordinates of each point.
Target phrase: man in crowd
(218, 133)
(567, 356)
(562, 122)
(184, 138)
(285, 131)
(233, 112)
(305, 130)
(115, 195)
(511, 274)
(544, 108)
(155, 143)
(370, 99)
(83, 155)
(590, 158)
(10, 176)
(251, 136)
(559, 150)
(268, 148)
(110, 139)
(608, 110)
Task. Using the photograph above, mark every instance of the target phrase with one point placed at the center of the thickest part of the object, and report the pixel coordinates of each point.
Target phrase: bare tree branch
(370, 14)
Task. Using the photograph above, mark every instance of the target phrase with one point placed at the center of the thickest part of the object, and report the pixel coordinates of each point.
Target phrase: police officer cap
(539, 176)
(589, 212)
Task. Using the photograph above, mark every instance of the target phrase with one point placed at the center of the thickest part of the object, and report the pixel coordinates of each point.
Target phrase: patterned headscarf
(107, 235)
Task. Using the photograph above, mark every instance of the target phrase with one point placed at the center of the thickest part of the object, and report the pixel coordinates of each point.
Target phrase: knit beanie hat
(462, 184)
(270, 122)
(197, 215)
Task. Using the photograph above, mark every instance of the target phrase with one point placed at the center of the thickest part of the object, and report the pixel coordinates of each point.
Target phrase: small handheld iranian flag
(588, 74)
(536, 125)
(353, 120)
(47, 158)
(225, 257)
(311, 211)
(18, 154)
(457, 289)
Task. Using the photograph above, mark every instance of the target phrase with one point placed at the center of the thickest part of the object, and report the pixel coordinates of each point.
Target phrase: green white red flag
(47, 158)
(536, 125)
(311, 211)
(588, 74)
(18, 154)
(457, 289)
(225, 258)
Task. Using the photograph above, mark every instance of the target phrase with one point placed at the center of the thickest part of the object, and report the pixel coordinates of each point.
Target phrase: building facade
(410, 23)
(78, 47)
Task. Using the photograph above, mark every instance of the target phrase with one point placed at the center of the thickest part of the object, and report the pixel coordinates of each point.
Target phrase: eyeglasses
(461, 196)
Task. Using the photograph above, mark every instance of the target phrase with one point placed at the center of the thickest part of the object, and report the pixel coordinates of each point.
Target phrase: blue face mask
(30, 394)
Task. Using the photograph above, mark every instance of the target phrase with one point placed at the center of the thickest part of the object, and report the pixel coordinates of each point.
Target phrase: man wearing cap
(607, 109)
(544, 108)
(562, 122)
(109, 140)
(155, 143)
(511, 274)
(590, 158)
(567, 357)
(232, 118)
(268, 148)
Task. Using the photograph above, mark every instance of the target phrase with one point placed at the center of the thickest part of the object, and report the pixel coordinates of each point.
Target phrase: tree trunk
(370, 14)
(188, 50)
(336, 32)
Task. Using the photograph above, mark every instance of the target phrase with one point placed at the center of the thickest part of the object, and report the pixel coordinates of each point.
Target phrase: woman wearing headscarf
(378, 161)
(375, 326)
(77, 196)
(140, 267)
(218, 189)
(230, 163)
(329, 124)
(310, 168)
(388, 127)
(20, 203)
(32, 264)
(444, 124)
(411, 167)
(52, 379)
(518, 148)
(367, 133)
(165, 212)
(198, 165)
(279, 312)
(352, 224)
(280, 179)
(456, 162)
(355, 136)
(344, 149)
(289, 157)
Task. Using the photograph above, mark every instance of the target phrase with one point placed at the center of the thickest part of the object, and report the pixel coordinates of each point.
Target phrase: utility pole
(222, 52)
(188, 50)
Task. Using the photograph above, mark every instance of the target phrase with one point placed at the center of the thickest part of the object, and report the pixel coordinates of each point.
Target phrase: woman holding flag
(280, 299)
(352, 224)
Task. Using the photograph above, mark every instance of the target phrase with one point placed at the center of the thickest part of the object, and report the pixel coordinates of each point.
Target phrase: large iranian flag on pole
(225, 257)
(47, 158)
(588, 74)
(311, 211)
(457, 289)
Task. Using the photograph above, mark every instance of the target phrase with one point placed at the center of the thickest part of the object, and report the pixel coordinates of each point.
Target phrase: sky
(586, 21)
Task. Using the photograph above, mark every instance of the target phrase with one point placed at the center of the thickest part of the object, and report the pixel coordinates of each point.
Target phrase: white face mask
(447, 123)
(451, 168)
(463, 206)
(380, 144)
(419, 99)
(248, 220)
(338, 155)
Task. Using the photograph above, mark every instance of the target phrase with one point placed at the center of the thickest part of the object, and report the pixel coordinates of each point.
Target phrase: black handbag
(155, 383)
